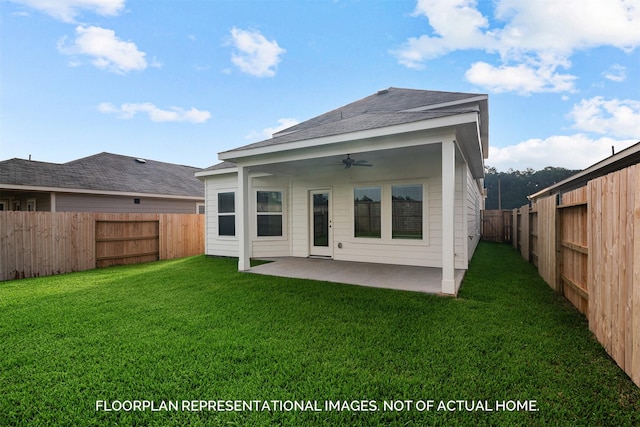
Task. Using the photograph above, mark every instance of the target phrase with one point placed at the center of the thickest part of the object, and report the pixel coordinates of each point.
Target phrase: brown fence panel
(496, 226)
(574, 249)
(547, 244)
(181, 235)
(45, 243)
(127, 241)
(614, 266)
(533, 235)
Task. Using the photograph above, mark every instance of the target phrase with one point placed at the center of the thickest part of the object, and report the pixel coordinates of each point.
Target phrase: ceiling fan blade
(363, 164)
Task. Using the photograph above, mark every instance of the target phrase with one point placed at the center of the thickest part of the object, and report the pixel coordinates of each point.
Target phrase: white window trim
(255, 214)
(386, 213)
(217, 213)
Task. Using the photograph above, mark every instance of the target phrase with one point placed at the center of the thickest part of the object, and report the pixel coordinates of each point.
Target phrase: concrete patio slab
(401, 277)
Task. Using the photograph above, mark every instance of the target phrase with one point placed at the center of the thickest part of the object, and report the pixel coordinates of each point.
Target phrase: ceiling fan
(348, 162)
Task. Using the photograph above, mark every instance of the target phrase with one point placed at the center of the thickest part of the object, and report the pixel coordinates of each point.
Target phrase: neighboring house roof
(627, 157)
(387, 107)
(103, 172)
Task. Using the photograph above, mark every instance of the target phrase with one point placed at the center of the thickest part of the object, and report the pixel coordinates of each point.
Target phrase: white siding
(474, 204)
(295, 241)
(214, 244)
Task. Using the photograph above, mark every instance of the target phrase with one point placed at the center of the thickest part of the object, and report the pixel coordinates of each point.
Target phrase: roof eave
(429, 124)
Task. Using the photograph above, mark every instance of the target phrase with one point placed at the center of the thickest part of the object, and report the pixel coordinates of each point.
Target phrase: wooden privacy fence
(586, 245)
(496, 226)
(44, 243)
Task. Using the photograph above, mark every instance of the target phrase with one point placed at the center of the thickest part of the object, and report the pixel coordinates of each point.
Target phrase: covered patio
(400, 277)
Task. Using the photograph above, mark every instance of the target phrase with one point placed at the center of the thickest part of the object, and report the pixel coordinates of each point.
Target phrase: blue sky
(180, 81)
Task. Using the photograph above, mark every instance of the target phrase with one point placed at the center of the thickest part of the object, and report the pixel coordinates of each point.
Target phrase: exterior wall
(474, 202)
(214, 244)
(71, 202)
(296, 239)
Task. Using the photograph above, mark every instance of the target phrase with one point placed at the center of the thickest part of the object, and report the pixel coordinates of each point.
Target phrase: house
(395, 178)
(103, 182)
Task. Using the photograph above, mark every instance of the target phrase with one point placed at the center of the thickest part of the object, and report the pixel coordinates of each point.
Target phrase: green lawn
(196, 329)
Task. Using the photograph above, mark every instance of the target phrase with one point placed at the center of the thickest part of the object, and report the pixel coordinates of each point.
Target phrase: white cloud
(571, 151)
(255, 54)
(108, 51)
(522, 78)
(457, 24)
(268, 132)
(67, 10)
(616, 73)
(282, 125)
(531, 37)
(620, 118)
(155, 114)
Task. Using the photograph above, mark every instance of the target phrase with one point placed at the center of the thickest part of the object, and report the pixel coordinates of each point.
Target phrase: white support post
(448, 216)
(242, 219)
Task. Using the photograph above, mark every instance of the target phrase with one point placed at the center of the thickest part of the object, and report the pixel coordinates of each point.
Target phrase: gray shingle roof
(388, 107)
(106, 172)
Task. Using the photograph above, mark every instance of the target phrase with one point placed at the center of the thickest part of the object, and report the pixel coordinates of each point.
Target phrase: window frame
(386, 220)
(353, 200)
(281, 213)
(226, 214)
(422, 213)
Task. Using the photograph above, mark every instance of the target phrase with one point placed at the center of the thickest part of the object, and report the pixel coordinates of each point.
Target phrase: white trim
(325, 251)
(448, 104)
(431, 124)
(448, 216)
(242, 220)
(386, 214)
(216, 172)
(282, 213)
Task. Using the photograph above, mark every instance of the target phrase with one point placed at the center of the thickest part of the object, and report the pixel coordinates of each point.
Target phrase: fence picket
(44, 243)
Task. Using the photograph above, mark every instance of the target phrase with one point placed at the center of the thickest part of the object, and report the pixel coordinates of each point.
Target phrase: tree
(516, 185)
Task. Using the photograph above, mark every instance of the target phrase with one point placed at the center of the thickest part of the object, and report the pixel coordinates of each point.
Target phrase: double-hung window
(406, 211)
(367, 211)
(226, 214)
(269, 213)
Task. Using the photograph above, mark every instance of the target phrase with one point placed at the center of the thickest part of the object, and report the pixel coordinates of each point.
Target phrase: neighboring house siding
(67, 202)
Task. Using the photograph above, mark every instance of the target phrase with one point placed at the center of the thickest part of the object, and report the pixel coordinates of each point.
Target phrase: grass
(196, 329)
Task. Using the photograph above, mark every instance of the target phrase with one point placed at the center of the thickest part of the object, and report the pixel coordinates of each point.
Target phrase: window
(226, 214)
(406, 212)
(31, 205)
(367, 211)
(269, 213)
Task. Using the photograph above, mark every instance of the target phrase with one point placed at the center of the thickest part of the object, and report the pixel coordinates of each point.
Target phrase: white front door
(320, 237)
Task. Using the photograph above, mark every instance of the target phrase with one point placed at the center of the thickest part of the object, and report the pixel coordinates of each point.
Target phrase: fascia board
(447, 104)
(431, 124)
(363, 145)
(215, 172)
(90, 192)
